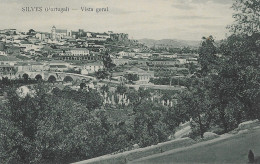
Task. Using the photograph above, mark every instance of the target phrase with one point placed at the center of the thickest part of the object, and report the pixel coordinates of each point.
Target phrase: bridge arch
(68, 79)
(52, 79)
(38, 77)
(25, 76)
(84, 80)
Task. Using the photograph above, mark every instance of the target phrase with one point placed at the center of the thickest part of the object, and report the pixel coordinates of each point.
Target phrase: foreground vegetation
(64, 126)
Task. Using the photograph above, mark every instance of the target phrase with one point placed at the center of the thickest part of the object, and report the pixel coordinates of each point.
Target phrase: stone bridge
(54, 76)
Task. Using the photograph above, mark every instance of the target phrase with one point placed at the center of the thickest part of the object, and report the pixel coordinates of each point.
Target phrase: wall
(123, 158)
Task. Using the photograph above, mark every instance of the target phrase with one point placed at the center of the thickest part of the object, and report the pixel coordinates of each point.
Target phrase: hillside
(172, 43)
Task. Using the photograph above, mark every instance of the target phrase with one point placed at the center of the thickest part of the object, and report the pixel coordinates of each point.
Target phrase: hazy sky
(155, 19)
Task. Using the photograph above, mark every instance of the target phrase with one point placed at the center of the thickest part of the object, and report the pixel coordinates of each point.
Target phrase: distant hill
(171, 43)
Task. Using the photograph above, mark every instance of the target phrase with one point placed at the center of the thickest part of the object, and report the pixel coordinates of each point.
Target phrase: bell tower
(53, 33)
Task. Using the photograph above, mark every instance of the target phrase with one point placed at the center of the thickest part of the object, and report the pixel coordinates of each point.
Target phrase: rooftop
(58, 61)
(95, 64)
(8, 58)
(58, 66)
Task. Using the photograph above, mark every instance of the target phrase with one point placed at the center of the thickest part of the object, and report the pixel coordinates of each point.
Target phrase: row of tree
(228, 83)
(65, 126)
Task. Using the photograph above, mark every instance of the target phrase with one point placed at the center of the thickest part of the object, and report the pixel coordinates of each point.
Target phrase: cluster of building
(58, 50)
(153, 59)
(63, 50)
(142, 62)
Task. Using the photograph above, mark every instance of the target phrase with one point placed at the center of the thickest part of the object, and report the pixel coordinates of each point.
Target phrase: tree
(45, 128)
(107, 61)
(5, 81)
(31, 32)
(90, 99)
(94, 100)
(197, 106)
(239, 71)
(137, 97)
(174, 116)
(131, 77)
(101, 74)
(191, 67)
(121, 89)
(104, 89)
(149, 125)
(242, 49)
(56, 91)
(82, 85)
(247, 17)
(207, 52)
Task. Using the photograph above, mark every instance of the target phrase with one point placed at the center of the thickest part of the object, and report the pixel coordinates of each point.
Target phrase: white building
(120, 61)
(182, 61)
(77, 52)
(29, 46)
(57, 34)
(2, 53)
(91, 67)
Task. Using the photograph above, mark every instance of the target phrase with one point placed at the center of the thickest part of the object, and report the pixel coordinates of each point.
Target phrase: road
(232, 150)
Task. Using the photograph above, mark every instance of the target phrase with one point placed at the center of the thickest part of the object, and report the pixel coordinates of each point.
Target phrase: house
(120, 61)
(26, 45)
(39, 67)
(122, 54)
(59, 62)
(2, 46)
(33, 39)
(2, 53)
(31, 67)
(58, 65)
(182, 61)
(168, 55)
(23, 67)
(142, 62)
(58, 68)
(89, 34)
(79, 54)
(163, 62)
(7, 67)
(42, 36)
(7, 71)
(13, 49)
(144, 76)
(192, 60)
(8, 60)
(91, 67)
(143, 55)
(9, 31)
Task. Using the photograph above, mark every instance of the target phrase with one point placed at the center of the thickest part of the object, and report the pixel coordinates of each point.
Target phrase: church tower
(53, 33)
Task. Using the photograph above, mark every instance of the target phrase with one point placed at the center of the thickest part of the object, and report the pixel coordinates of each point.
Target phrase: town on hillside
(71, 58)
(143, 82)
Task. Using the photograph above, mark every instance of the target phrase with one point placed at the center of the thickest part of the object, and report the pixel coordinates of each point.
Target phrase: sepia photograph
(130, 82)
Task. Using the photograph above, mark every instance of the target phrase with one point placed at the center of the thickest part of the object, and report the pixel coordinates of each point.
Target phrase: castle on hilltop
(57, 34)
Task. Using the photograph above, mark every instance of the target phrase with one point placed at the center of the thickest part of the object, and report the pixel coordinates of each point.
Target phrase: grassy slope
(233, 150)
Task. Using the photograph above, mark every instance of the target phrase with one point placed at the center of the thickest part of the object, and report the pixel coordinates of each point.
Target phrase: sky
(153, 19)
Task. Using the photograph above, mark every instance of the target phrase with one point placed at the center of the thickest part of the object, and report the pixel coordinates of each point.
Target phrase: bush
(46, 128)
